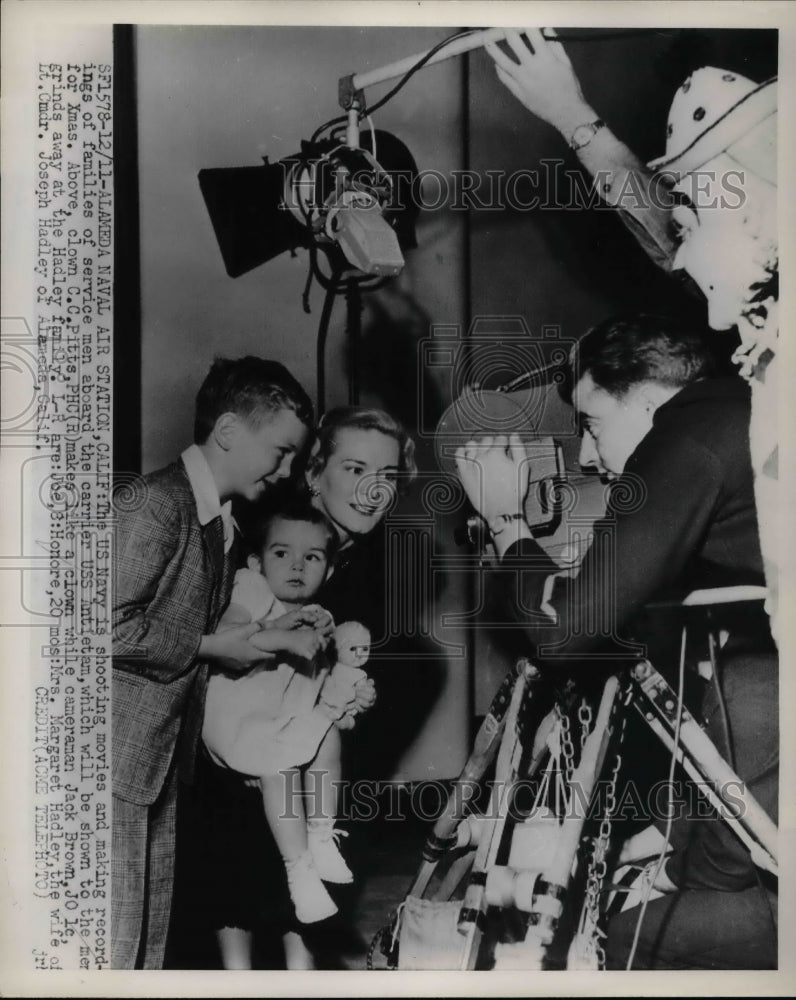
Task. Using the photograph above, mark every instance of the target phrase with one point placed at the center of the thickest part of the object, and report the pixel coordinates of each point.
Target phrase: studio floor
(384, 854)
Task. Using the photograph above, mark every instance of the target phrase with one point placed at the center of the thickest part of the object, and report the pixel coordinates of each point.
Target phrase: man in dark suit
(674, 440)
(173, 572)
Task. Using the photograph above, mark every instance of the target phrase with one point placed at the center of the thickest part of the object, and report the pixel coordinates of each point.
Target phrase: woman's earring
(314, 490)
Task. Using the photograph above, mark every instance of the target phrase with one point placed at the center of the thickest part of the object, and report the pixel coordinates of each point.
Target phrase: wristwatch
(584, 134)
(497, 523)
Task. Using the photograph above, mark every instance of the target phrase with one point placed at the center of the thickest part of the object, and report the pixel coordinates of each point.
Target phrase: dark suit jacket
(172, 582)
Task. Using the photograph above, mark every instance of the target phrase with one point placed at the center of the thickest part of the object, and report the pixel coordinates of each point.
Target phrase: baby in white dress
(282, 715)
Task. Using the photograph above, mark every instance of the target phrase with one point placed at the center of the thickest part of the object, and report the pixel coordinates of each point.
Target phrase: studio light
(351, 196)
(357, 209)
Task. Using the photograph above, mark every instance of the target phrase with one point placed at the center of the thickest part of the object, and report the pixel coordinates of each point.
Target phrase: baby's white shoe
(311, 900)
(322, 839)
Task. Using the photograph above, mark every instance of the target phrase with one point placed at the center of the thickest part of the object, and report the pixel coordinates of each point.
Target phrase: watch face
(581, 135)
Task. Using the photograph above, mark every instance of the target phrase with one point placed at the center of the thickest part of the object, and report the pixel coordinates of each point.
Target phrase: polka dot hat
(710, 111)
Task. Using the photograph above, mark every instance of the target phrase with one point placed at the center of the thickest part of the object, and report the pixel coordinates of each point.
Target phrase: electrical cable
(417, 66)
(353, 298)
(305, 295)
(322, 128)
(725, 719)
(471, 31)
(372, 137)
(320, 348)
(670, 818)
(401, 83)
(326, 281)
(340, 283)
(611, 36)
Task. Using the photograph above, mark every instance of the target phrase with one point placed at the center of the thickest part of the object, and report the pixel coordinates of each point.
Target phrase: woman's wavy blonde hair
(363, 419)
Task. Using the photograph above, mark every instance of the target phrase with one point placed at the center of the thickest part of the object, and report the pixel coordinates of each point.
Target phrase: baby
(271, 721)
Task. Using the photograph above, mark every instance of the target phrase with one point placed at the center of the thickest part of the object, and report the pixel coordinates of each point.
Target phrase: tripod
(531, 868)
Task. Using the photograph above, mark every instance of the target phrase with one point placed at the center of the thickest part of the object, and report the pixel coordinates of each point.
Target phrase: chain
(597, 864)
(567, 749)
(584, 718)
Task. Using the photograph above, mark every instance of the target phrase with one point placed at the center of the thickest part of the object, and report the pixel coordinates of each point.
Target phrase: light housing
(359, 210)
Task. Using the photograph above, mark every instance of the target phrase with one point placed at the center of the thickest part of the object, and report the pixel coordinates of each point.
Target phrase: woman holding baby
(316, 561)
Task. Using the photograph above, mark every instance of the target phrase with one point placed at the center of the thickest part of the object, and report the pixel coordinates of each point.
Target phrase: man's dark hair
(293, 509)
(624, 351)
(250, 387)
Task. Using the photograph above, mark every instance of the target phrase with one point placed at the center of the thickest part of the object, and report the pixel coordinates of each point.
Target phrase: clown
(722, 138)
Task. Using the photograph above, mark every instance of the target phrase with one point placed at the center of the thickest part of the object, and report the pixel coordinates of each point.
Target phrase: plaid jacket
(172, 582)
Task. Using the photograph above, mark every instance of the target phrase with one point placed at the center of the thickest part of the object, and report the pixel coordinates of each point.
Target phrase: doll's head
(352, 642)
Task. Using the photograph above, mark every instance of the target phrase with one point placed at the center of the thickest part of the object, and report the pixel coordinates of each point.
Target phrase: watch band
(497, 523)
(584, 134)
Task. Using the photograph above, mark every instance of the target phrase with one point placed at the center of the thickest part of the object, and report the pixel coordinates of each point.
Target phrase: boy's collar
(205, 491)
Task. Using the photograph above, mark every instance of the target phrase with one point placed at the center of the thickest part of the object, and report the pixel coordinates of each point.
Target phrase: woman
(360, 461)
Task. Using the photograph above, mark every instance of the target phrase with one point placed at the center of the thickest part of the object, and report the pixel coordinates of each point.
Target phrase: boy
(173, 572)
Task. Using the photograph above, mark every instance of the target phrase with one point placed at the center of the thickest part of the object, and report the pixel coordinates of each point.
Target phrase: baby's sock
(322, 838)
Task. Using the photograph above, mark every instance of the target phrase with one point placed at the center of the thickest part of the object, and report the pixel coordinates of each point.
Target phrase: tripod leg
(703, 763)
(473, 911)
(487, 739)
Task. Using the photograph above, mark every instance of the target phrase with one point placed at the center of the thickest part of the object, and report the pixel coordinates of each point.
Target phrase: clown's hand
(540, 75)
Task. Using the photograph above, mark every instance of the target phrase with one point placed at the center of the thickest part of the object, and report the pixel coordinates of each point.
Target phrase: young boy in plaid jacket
(173, 573)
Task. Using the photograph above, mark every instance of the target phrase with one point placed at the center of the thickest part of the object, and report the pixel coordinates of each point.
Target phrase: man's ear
(254, 563)
(647, 398)
(225, 429)
(653, 394)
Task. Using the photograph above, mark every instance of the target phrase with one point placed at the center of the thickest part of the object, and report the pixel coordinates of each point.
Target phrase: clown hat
(711, 111)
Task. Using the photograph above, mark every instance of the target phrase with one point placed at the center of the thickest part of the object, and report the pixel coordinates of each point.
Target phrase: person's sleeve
(145, 543)
(659, 512)
(642, 199)
(627, 184)
(251, 592)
